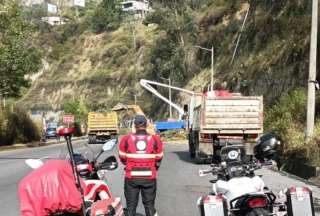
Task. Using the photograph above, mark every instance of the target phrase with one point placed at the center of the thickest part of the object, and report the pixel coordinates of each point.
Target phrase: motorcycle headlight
(232, 155)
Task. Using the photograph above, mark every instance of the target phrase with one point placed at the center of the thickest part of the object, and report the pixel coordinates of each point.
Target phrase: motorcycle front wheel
(258, 212)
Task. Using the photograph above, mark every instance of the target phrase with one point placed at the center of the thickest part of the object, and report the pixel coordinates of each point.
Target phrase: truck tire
(92, 139)
(197, 157)
(258, 212)
(192, 150)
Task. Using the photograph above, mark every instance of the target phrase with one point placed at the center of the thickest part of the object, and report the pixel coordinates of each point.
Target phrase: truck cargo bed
(102, 122)
(232, 115)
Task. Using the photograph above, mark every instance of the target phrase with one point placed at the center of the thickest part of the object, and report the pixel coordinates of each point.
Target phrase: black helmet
(140, 120)
(266, 147)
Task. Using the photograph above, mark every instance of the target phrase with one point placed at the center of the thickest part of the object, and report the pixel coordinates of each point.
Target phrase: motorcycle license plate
(213, 205)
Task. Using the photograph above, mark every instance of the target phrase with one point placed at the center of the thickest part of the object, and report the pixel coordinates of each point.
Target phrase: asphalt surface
(178, 184)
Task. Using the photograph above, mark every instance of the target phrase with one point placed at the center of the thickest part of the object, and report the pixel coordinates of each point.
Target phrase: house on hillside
(31, 2)
(139, 9)
(54, 20)
(64, 3)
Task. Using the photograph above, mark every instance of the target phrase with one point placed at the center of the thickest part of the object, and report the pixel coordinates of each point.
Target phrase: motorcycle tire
(258, 212)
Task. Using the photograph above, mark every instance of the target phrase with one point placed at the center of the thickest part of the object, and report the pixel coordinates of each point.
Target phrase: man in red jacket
(141, 153)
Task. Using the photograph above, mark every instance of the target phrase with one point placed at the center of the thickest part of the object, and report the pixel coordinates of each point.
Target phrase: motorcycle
(237, 191)
(89, 177)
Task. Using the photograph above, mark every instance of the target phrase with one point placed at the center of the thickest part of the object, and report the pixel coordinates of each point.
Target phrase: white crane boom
(147, 84)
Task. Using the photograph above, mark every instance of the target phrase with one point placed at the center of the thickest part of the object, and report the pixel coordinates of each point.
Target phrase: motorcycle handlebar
(254, 166)
(257, 166)
(213, 170)
(268, 163)
(204, 172)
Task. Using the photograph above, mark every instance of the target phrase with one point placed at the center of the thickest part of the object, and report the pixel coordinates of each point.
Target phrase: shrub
(287, 118)
(17, 127)
(288, 113)
(106, 17)
(78, 108)
(77, 126)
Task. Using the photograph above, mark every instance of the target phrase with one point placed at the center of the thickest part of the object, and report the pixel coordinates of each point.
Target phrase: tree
(170, 57)
(18, 56)
(78, 108)
(107, 16)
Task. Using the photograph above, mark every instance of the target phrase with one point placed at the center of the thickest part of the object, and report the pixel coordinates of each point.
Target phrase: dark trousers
(148, 188)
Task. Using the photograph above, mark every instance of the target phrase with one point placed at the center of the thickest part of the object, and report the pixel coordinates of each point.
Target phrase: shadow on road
(184, 156)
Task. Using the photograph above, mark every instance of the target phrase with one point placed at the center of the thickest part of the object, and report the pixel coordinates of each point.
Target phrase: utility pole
(312, 71)
(212, 63)
(170, 97)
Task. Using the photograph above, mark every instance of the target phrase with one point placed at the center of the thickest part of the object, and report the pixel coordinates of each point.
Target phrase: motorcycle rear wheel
(258, 212)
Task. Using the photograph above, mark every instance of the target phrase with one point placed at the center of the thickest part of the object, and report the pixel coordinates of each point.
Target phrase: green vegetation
(101, 56)
(106, 16)
(17, 127)
(287, 118)
(78, 108)
(18, 56)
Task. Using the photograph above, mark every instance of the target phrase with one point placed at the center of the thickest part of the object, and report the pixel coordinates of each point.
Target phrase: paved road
(178, 185)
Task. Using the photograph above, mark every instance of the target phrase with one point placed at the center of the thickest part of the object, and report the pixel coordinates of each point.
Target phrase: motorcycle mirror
(110, 163)
(203, 173)
(109, 145)
(34, 163)
(213, 181)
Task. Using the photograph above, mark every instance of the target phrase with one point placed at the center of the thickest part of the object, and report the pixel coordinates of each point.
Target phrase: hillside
(104, 68)
(100, 58)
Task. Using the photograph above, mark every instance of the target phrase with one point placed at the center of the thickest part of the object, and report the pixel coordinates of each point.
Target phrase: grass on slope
(101, 67)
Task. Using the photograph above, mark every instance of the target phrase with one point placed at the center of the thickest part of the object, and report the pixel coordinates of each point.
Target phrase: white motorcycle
(236, 191)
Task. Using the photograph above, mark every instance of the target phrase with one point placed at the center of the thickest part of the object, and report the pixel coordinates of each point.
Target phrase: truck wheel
(198, 158)
(192, 151)
(92, 139)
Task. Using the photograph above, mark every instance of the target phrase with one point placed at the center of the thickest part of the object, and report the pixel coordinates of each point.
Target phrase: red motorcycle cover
(48, 189)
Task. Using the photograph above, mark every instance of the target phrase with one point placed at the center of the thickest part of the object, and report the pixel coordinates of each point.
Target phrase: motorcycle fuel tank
(237, 187)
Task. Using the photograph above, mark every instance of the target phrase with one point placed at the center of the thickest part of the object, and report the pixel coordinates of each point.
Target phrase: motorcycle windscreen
(49, 189)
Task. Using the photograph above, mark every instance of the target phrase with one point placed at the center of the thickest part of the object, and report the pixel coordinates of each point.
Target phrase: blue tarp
(166, 125)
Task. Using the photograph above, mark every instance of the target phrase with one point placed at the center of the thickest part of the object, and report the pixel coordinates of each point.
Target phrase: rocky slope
(104, 69)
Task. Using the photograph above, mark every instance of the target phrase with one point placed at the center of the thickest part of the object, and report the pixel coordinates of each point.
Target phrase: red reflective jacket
(142, 154)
